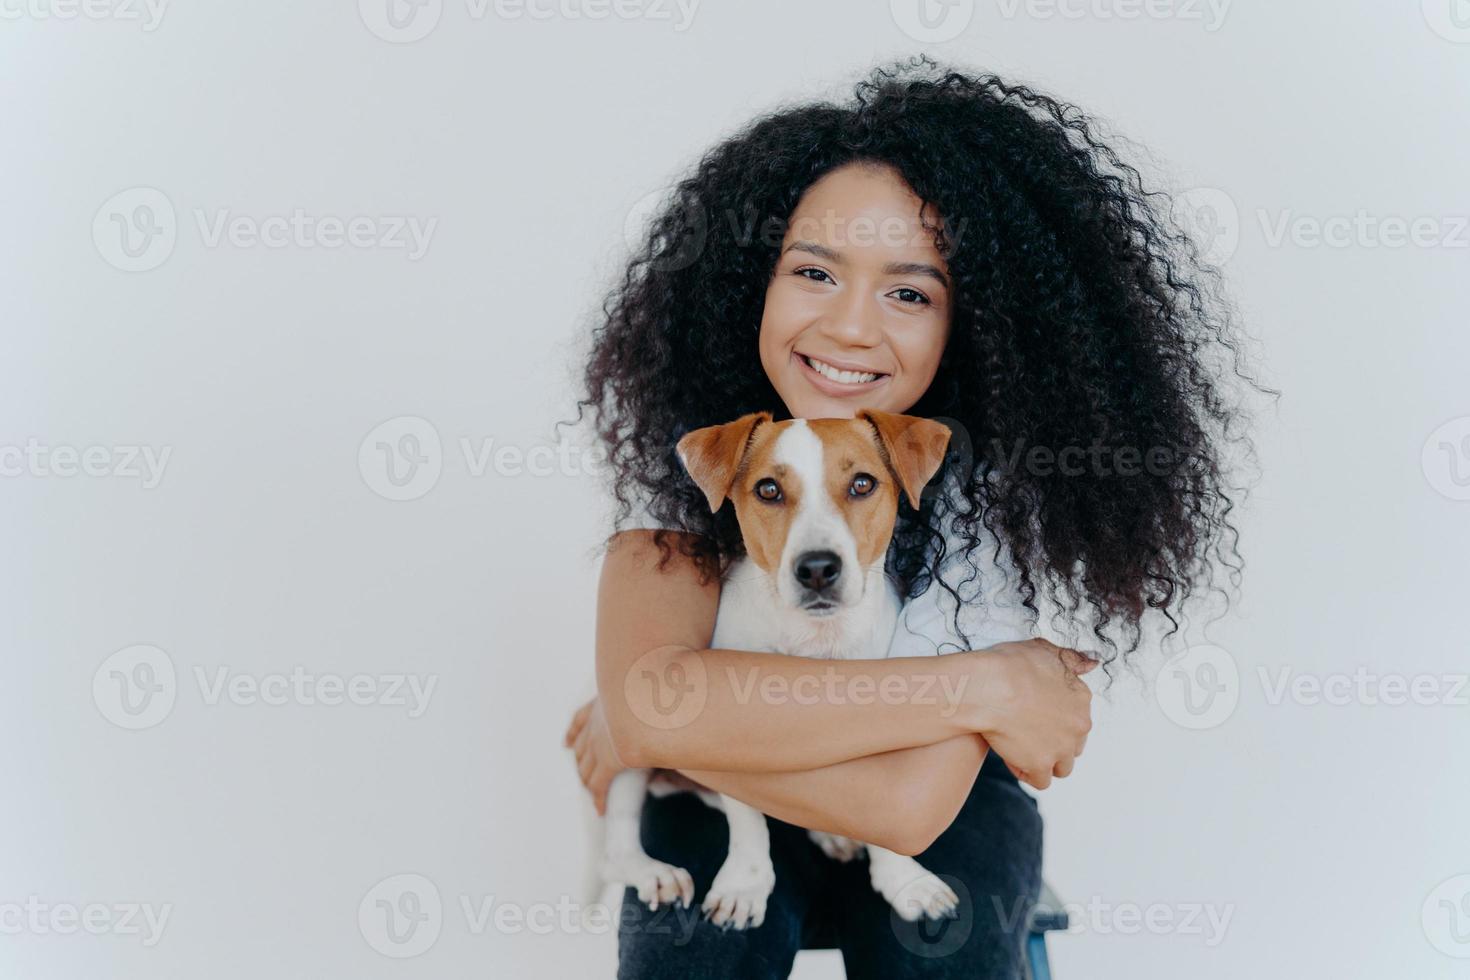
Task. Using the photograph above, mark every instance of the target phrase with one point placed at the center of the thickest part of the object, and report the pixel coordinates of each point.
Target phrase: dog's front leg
(737, 896)
(909, 888)
(624, 861)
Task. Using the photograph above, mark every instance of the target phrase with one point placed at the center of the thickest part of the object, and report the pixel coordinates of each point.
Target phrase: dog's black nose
(818, 569)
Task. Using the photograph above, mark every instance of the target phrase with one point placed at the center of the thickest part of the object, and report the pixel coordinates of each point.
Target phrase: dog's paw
(835, 847)
(737, 896)
(656, 882)
(914, 892)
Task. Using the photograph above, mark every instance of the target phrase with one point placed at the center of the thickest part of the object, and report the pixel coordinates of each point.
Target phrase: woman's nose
(856, 321)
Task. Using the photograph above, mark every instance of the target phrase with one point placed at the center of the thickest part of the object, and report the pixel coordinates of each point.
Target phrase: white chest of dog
(816, 501)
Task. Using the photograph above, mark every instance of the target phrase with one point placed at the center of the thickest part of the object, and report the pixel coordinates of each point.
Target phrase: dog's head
(816, 498)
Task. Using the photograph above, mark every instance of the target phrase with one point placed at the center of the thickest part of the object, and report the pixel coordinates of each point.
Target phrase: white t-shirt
(991, 612)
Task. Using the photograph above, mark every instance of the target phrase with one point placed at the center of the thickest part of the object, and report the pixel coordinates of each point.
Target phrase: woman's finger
(1078, 661)
(579, 720)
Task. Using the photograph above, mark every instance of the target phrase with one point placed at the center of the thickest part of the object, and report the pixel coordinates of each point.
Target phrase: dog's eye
(862, 485)
(768, 489)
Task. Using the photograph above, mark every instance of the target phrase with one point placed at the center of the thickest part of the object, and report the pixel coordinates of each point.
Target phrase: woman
(949, 246)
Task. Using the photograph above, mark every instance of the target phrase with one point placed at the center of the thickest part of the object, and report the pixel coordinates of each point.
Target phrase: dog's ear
(712, 455)
(915, 448)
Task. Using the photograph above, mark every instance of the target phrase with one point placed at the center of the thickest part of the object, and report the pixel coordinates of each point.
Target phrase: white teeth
(842, 377)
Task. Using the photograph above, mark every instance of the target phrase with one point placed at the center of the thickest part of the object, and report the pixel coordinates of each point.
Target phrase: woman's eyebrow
(891, 269)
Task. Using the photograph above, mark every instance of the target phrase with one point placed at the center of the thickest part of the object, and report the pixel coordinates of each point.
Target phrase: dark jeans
(990, 856)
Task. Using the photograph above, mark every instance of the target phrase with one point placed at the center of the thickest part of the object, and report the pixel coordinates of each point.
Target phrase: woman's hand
(1035, 710)
(597, 762)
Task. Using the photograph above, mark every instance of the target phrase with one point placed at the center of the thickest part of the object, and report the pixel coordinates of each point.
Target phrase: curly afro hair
(1085, 369)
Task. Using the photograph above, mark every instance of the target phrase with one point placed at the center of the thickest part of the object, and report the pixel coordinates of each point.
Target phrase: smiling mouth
(837, 377)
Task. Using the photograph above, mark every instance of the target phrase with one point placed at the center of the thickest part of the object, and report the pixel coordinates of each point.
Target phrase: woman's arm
(1033, 709)
(900, 800)
(855, 798)
(670, 702)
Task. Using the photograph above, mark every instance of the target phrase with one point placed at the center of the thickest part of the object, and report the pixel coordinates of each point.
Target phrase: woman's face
(857, 312)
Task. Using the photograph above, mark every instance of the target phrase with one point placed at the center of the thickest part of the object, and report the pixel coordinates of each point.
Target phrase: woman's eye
(820, 272)
(862, 485)
(768, 489)
(912, 296)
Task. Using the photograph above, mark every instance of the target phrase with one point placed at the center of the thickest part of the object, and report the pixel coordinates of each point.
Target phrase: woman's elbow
(638, 743)
(935, 804)
(913, 835)
(630, 741)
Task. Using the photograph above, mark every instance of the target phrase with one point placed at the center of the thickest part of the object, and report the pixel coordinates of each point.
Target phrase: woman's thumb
(1079, 662)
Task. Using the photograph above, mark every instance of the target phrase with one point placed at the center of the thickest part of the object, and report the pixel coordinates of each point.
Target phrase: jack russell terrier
(816, 501)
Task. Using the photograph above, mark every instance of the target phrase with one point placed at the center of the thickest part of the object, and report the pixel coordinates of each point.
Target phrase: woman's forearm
(739, 711)
(901, 800)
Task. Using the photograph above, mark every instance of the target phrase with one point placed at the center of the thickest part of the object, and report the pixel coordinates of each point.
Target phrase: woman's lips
(836, 388)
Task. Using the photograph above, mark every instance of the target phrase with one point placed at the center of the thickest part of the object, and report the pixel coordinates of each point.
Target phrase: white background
(1331, 835)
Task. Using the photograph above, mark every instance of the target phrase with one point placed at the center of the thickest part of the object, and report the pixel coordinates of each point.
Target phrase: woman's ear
(713, 454)
(914, 448)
